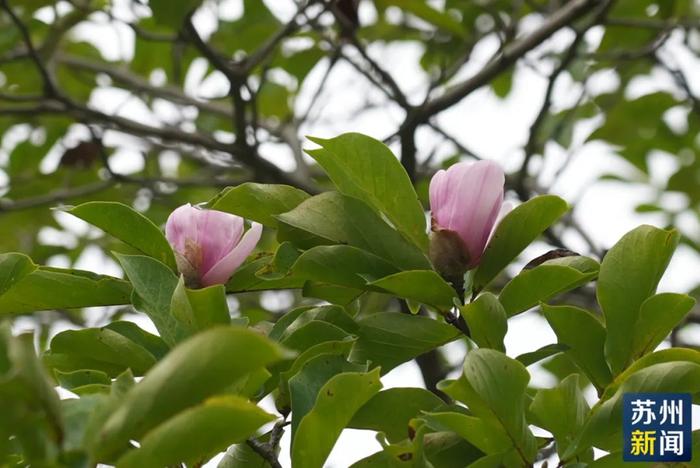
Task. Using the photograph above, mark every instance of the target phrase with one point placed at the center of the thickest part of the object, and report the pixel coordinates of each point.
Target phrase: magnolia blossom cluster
(466, 201)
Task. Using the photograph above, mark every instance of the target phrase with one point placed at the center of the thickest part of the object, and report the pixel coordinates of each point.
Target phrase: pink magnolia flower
(209, 245)
(466, 201)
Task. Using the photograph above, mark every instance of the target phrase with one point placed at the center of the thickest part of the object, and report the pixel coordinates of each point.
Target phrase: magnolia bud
(466, 201)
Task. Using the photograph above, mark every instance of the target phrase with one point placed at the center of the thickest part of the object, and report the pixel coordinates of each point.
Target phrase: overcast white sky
(494, 128)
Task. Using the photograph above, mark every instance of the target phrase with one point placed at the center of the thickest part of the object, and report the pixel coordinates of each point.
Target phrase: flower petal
(438, 191)
(482, 197)
(224, 268)
(218, 234)
(181, 225)
(444, 192)
(506, 208)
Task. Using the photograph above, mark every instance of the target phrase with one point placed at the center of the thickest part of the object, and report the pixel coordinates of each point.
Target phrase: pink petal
(482, 197)
(222, 271)
(218, 234)
(488, 228)
(506, 208)
(181, 225)
(444, 201)
(438, 190)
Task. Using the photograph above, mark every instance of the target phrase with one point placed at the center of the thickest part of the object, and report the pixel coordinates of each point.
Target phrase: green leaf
(153, 343)
(53, 288)
(76, 379)
(154, 285)
(503, 84)
(172, 12)
(85, 435)
(297, 319)
(258, 202)
(488, 437)
(199, 367)
(246, 278)
(129, 226)
(493, 387)
(515, 232)
(657, 317)
(543, 282)
(585, 336)
(342, 265)
(424, 286)
(629, 274)
(35, 389)
(389, 411)
(365, 168)
(442, 449)
(199, 309)
(78, 414)
(300, 63)
(393, 456)
(541, 353)
(14, 267)
(251, 385)
(286, 371)
(651, 131)
(561, 410)
(282, 262)
(345, 220)
(254, 27)
(560, 366)
(487, 321)
(388, 339)
(489, 461)
(312, 333)
(340, 295)
(305, 385)
(658, 357)
(241, 456)
(423, 10)
(285, 321)
(337, 402)
(110, 351)
(198, 433)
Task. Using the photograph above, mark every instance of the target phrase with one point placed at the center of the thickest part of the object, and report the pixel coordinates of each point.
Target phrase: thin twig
(518, 48)
(49, 86)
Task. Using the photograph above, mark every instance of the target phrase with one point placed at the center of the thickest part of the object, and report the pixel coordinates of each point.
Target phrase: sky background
(492, 127)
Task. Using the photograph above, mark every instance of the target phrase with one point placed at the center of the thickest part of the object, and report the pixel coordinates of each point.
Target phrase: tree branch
(509, 55)
(532, 144)
(49, 85)
(54, 197)
(115, 122)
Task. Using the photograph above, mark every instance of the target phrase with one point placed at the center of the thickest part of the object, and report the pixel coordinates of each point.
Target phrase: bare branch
(510, 54)
(83, 113)
(272, 42)
(531, 146)
(225, 66)
(54, 197)
(136, 83)
(652, 23)
(49, 85)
